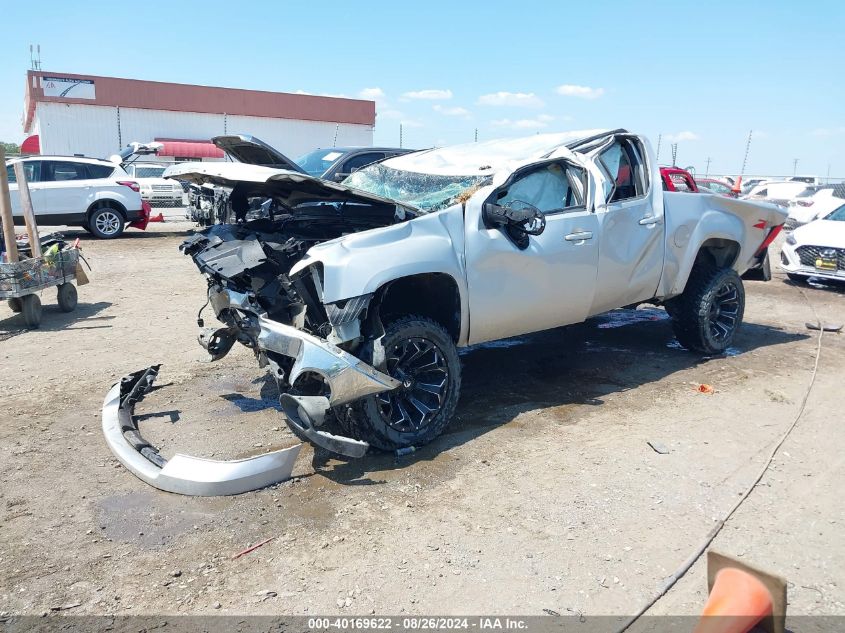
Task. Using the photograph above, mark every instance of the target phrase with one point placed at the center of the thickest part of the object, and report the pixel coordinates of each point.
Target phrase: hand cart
(21, 281)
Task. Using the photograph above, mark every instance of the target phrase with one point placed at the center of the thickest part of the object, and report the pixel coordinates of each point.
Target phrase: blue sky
(700, 74)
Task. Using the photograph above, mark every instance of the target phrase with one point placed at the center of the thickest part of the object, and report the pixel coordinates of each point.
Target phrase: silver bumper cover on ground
(182, 474)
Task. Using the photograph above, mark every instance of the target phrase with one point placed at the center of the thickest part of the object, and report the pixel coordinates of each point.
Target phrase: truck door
(544, 281)
(631, 225)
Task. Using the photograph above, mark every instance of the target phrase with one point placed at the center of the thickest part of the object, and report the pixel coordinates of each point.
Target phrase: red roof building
(95, 116)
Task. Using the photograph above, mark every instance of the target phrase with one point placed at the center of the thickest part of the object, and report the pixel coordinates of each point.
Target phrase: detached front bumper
(182, 474)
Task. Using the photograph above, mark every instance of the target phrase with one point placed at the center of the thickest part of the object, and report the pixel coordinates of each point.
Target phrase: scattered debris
(826, 327)
(65, 607)
(658, 447)
(252, 548)
(551, 612)
(266, 594)
(705, 388)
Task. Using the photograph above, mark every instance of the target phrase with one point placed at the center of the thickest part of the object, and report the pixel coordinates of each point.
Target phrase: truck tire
(106, 223)
(419, 352)
(707, 315)
(15, 304)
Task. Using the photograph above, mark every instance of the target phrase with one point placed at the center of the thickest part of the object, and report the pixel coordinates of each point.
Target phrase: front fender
(361, 263)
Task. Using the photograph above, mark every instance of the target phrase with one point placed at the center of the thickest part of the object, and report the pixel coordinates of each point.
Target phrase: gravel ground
(543, 494)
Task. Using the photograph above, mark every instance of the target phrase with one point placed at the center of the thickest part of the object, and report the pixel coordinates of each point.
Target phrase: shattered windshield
(317, 162)
(424, 191)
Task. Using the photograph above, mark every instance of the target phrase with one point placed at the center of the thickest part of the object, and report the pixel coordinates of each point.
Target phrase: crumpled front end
(313, 374)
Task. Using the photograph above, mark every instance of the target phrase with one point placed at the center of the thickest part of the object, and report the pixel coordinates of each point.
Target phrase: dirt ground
(543, 494)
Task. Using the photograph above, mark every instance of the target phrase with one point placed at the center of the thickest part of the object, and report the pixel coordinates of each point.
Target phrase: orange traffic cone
(741, 598)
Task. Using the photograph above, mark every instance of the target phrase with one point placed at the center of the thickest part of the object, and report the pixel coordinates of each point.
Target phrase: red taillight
(131, 184)
(769, 239)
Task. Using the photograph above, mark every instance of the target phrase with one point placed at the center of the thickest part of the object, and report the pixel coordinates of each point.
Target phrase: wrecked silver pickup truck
(357, 296)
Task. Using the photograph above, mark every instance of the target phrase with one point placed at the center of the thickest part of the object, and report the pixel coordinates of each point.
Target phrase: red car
(718, 187)
(677, 179)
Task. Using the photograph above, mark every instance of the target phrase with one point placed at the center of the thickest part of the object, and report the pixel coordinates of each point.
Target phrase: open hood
(292, 187)
(252, 151)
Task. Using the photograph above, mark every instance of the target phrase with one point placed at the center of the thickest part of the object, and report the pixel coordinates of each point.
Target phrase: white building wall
(67, 129)
(93, 130)
(294, 138)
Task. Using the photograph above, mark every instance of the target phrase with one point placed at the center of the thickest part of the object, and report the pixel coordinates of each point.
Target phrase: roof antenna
(35, 57)
(336, 128)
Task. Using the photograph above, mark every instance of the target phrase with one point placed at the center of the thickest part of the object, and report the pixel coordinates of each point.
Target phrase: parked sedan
(95, 194)
(812, 203)
(816, 249)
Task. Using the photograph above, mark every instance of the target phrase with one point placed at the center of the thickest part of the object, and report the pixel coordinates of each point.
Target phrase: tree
(11, 148)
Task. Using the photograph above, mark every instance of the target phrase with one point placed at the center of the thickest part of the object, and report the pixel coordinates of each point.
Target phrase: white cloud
(582, 92)
(686, 135)
(827, 131)
(456, 111)
(431, 94)
(411, 123)
(372, 94)
(525, 124)
(389, 113)
(513, 99)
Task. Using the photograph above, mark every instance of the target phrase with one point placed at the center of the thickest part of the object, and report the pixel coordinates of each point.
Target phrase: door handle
(649, 220)
(579, 236)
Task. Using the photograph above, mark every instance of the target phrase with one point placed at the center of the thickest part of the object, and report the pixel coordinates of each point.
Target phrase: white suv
(94, 194)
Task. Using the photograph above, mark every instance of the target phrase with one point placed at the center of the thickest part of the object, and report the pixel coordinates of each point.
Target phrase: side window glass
(625, 171)
(99, 171)
(32, 169)
(548, 188)
(357, 162)
(63, 171)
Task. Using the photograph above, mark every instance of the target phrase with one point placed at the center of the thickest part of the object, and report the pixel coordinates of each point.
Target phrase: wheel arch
(435, 295)
(717, 251)
(105, 203)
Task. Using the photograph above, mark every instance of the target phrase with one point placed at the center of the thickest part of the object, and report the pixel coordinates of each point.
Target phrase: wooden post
(6, 212)
(28, 211)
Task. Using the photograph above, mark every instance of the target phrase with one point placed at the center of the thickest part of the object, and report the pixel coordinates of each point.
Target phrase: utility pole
(827, 180)
(794, 166)
(707, 169)
(400, 135)
(659, 138)
(674, 154)
(476, 135)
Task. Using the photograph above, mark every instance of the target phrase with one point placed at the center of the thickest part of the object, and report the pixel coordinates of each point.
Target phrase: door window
(362, 160)
(625, 168)
(64, 170)
(100, 171)
(32, 169)
(549, 188)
